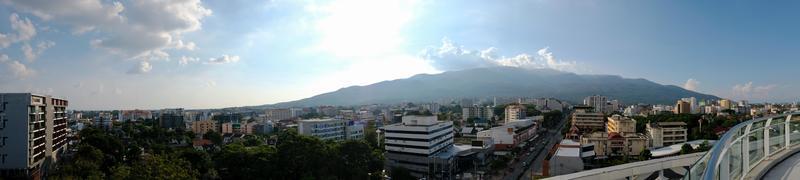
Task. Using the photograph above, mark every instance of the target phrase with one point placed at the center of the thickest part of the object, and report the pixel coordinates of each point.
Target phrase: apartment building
(331, 129)
(587, 120)
(204, 126)
(666, 133)
(32, 133)
(514, 112)
(621, 124)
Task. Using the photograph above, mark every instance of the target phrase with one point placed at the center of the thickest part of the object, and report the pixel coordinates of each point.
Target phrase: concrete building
(587, 120)
(597, 102)
(666, 133)
(725, 104)
(683, 107)
(615, 144)
(510, 135)
(134, 115)
(172, 119)
(514, 112)
(483, 113)
(204, 126)
(422, 145)
(278, 114)
(331, 129)
(32, 135)
(567, 159)
(621, 124)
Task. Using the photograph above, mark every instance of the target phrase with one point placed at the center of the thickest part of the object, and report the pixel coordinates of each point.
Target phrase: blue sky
(207, 54)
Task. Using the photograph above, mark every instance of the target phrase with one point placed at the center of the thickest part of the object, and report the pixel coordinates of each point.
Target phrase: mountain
(501, 82)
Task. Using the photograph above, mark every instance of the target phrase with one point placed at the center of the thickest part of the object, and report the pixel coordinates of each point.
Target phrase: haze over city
(212, 54)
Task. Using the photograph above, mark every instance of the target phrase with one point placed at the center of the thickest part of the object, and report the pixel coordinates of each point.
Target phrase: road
(541, 145)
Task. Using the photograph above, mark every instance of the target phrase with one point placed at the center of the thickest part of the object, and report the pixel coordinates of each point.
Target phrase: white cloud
(33, 53)
(141, 68)
(224, 59)
(691, 84)
(450, 57)
(140, 29)
(749, 91)
(19, 70)
(187, 46)
(211, 83)
(186, 60)
(4, 58)
(24, 31)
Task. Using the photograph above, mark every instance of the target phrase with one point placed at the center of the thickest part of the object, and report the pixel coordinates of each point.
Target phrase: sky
(150, 54)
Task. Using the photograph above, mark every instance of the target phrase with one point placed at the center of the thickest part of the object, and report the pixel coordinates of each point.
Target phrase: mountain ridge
(499, 82)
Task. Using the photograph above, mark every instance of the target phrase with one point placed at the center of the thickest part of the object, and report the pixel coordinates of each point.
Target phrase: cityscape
(382, 90)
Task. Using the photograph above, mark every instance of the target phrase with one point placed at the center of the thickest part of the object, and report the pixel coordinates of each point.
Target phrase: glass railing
(746, 145)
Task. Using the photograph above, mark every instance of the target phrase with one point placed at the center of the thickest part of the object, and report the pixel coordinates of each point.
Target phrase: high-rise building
(422, 145)
(597, 102)
(172, 119)
(278, 114)
(621, 124)
(682, 107)
(587, 120)
(514, 112)
(33, 130)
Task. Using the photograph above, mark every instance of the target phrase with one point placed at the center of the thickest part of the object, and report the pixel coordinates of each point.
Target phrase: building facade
(621, 124)
(331, 129)
(32, 133)
(666, 133)
(204, 126)
(683, 107)
(420, 144)
(587, 120)
(514, 112)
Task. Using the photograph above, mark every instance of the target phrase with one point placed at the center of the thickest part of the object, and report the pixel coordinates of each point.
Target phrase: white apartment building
(331, 129)
(33, 128)
(597, 102)
(666, 133)
(420, 144)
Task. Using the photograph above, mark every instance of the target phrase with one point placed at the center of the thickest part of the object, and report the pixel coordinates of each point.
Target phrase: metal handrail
(714, 157)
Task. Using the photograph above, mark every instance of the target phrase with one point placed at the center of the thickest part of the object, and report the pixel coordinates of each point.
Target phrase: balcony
(755, 149)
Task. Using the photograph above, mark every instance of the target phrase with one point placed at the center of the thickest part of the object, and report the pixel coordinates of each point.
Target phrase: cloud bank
(450, 56)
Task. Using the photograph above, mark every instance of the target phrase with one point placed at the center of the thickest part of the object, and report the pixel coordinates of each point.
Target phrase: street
(533, 161)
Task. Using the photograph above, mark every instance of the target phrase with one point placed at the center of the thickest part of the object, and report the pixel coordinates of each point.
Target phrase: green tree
(214, 137)
(162, 167)
(645, 154)
(401, 173)
(686, 149)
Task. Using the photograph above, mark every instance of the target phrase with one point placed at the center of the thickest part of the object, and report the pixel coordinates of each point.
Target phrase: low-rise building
(510, 135)
(615, 144)
(566, 159)
(587, 120)
(331, 129)
(621, 124)
(204, 126)
(666, 133)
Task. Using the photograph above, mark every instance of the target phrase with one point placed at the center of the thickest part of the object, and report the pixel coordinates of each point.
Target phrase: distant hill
(501, 82)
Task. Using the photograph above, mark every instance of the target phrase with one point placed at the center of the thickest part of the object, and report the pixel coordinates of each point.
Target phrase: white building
(511, 134)
(420, 144)
(567, 159)
(331, 129)
(34, 129)
(597, 102)
(666, 133)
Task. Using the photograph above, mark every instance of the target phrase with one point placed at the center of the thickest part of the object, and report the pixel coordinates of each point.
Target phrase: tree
(645, 154)
(400, 173)
(162, 167)
(686, 149)
(215, 137)
(703, 147)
